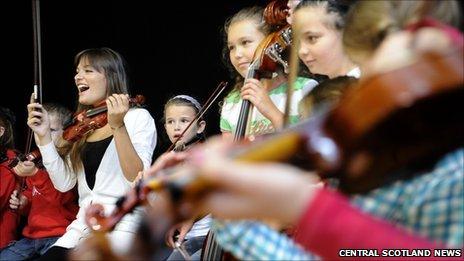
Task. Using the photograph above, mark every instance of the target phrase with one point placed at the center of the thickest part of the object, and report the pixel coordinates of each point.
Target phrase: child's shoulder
(300, 84)
(233, 96)
(137, 112)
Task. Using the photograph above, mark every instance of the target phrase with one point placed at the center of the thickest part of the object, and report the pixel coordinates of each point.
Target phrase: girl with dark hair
(104, 163)
(179, 111)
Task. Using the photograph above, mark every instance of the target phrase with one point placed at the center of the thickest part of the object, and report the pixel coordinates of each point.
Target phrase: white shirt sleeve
(63, 178)
(142, 132)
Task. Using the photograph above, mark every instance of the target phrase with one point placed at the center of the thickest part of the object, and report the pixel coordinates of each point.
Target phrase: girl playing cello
(243, 32)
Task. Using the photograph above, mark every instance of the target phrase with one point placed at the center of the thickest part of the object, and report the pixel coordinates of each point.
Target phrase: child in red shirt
(8, 218)
(49, 210)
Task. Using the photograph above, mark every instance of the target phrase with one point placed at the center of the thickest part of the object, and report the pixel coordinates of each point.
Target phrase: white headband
(190, 99)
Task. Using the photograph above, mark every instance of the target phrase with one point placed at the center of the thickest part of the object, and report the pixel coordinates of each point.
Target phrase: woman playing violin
(243, 32)
(105, 161)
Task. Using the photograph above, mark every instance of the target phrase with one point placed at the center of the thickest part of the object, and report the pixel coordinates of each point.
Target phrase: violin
(88, 120)
(268, 57)
(388, 122)
(33, 156)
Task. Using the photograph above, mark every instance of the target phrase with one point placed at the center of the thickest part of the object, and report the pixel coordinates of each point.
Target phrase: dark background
(171, 48)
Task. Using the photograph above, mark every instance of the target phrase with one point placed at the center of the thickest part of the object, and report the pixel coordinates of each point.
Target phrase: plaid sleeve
(430, 204)
(250, 240)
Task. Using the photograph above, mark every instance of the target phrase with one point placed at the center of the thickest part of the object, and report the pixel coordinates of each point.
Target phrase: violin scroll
(138, 100)
(276, 13)
(270, 52)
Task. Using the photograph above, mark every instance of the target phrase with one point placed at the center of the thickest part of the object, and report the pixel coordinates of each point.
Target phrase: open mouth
(311, 62)
(243, 65)
(83, 88)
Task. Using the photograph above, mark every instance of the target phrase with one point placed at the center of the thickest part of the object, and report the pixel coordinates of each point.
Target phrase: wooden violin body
(89, 120)
(387, 123)
(401, 119)
(33, 156)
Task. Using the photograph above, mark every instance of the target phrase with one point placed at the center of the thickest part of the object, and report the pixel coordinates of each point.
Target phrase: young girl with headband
(179, 112)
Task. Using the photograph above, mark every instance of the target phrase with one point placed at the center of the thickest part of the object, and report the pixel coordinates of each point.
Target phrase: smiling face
(242, 40)
(91, 84)
(321, 47)
(177, 118)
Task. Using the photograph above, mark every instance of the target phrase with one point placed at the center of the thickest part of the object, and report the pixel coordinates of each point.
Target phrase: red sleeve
(453, 33)
(331, 223)
(7, 185)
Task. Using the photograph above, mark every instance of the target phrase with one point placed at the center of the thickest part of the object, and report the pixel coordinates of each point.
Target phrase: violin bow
(37, 64)
(212, 98)
(37, 78)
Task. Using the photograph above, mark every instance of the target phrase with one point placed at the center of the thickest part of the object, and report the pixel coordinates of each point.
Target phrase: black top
(91, 158)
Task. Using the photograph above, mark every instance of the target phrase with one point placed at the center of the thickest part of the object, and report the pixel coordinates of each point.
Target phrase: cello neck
(240, 130)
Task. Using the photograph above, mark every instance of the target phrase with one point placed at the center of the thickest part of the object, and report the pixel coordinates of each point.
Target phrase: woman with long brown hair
(104, 163)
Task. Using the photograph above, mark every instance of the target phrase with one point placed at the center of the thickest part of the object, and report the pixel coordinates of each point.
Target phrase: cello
(267, 59)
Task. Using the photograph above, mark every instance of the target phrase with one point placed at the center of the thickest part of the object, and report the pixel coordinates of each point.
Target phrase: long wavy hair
(112, 65)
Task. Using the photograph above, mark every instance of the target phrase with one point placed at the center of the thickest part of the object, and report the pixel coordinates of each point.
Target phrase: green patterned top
(260, 124)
